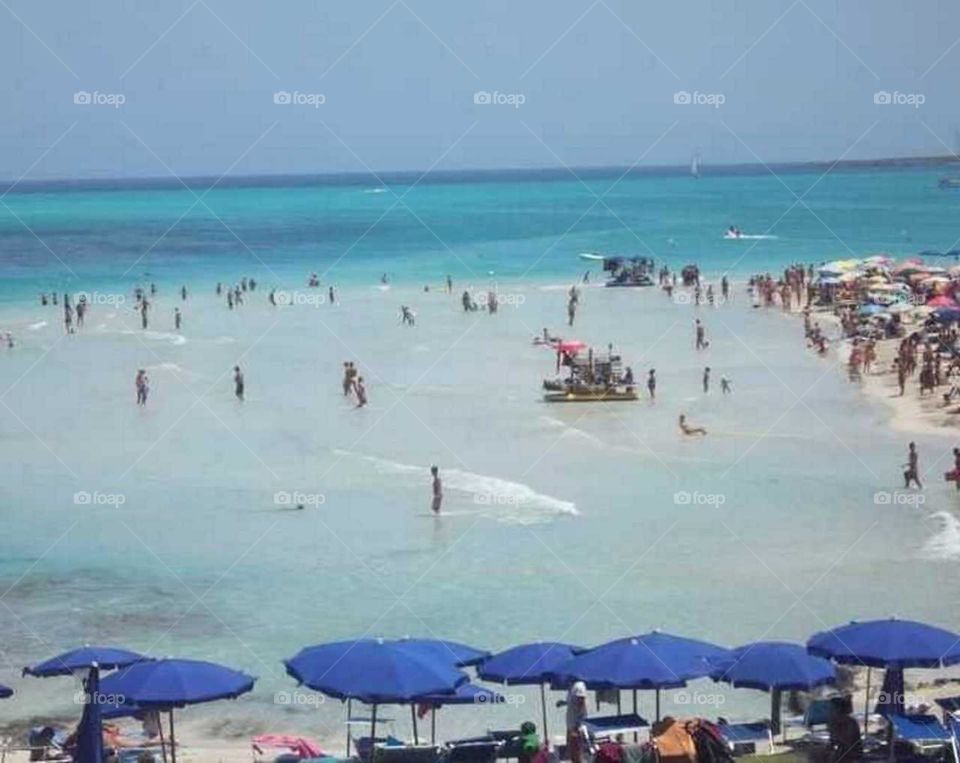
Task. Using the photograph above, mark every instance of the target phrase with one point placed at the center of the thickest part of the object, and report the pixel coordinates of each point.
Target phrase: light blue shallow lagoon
(172, 529)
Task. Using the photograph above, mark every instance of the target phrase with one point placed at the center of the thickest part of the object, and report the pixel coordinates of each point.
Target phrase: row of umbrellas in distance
(429, 671)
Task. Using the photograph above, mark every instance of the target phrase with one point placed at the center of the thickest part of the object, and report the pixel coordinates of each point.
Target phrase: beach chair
(410, 753)
(474, 751)
(747, 738)
(609, 726)
(923, 733)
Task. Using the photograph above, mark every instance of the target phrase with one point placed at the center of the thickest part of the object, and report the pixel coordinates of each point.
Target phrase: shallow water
(569, 522)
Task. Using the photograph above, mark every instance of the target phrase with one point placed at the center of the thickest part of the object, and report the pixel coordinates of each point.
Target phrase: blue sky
(190, 87)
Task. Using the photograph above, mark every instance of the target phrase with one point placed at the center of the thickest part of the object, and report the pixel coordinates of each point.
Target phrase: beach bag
(710, 745)
(673, 742)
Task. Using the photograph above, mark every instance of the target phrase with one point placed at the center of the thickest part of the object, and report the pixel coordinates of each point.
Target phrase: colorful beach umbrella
(460, 655)
(171, 683)
(528, 664)
(942, 300)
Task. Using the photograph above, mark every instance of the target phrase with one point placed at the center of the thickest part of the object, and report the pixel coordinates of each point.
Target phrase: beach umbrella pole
(163, 746)
(349, 716)
(635, 736)
(658, 704)
(775, 712)
(866, 704)
(543, 706)
(373, 728)
(413, 720)
(173, 740)
(433, 725)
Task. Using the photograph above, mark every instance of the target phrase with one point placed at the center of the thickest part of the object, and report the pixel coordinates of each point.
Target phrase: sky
(143, 88)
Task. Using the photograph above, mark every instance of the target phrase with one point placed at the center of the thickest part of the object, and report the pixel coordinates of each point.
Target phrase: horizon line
(459, 175)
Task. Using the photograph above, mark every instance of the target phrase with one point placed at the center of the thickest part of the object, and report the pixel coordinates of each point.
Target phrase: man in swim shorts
(238, 383)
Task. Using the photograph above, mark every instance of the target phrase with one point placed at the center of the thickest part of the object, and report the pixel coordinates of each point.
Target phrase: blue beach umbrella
(773, 666)
(651, 661)
(459, 654)
(171, 683)
(892, 644)
(947, 314)
(5, 692)
(528, 664)
(375, 672)
(84, 658)
(91, 659)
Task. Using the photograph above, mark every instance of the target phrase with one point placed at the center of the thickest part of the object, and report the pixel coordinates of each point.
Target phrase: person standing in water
(701, 335)
(571, 309)
(437, 490)
(361, 389)
(706, 380)
(332, 296)
(144, 305)
(176, 318)
(912, 474)
(183, 293)
(652, 383)
(143, 387)
(449, 285)
(725, 385)
(238, 383)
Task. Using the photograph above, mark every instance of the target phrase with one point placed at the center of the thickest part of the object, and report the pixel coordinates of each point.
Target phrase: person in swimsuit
(689, 430)
(706, 380)
(143, 387)
(177, 317)
(912, 474)
(361, 391)
(332, 296)
(725, 385)
(437, 490)
(238, 383)
(652, 383)
(701, 341)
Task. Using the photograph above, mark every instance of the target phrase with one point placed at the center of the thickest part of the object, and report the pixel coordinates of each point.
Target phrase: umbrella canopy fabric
(169, 683)
(373, 671)
(651, 661)
(942, 301)
(465, 694)
(947, 314)
(526, 663)
(460, 655)
(769, 665)
(888, 644)
(84, 658)
(5, 691)
(90, 730)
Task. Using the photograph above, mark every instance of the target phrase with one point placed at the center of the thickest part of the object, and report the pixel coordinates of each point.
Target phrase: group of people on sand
(353, 384)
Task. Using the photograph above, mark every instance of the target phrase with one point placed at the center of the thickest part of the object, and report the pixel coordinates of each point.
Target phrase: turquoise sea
(575, 523)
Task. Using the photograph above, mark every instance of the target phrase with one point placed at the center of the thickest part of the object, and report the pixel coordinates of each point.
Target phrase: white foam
(374, 190)
(506, 501)
(165, 336)
(946, 543)
(572, 431)
(37, 326)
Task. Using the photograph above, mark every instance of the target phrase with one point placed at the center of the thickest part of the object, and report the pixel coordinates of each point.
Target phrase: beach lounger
(475, 751)
(747, 738)
(608, 726)
(424, 753)
(922, 732)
